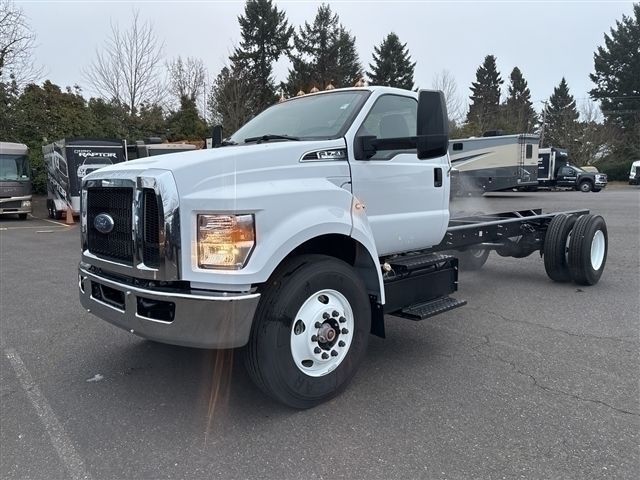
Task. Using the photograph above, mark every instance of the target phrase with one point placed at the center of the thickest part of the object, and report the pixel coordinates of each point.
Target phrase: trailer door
(406, 199)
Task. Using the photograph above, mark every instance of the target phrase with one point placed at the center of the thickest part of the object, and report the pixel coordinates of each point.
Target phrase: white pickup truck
(295, 236)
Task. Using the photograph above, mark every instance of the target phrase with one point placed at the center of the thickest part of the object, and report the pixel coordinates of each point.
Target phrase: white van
(634, 173)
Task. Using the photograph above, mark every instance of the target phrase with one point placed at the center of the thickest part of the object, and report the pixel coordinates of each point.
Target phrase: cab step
(412, 263)
(420, 311)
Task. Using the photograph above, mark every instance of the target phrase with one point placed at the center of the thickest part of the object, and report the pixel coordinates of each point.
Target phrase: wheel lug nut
(325, 356)
(342, 319)
(341, 343)
(316, 350)
(318, 325)
(335, 314)
(334, 353)
(326, 316)
(314, 338)
(345, 331)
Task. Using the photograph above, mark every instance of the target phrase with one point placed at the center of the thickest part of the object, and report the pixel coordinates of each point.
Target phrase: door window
(392, 116)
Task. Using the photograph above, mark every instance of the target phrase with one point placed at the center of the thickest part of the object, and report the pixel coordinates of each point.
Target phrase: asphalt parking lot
(530, 380)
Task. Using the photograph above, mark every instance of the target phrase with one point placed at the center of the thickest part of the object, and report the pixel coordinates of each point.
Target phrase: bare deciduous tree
(126, 69)
(187, 77)
(17, 42)
(445, 82)
(230, 102)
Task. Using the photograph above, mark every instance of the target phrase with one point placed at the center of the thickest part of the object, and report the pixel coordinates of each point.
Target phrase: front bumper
(14, 205)
(188, 318)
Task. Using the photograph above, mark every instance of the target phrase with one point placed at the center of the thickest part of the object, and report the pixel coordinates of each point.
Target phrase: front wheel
(310, 332)
(22, 216)
(585, 186)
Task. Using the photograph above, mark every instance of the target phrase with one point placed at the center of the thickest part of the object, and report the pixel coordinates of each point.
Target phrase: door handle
(437, 177)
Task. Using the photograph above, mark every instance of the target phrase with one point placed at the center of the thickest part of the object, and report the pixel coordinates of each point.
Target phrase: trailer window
(529, 152)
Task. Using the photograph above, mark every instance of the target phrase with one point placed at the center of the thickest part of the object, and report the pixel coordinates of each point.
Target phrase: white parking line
(61, 442)
(28, 228)
(51, 221)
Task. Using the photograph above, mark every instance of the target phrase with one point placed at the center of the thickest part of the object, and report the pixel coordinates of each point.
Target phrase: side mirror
(216, 136)
(433, 125)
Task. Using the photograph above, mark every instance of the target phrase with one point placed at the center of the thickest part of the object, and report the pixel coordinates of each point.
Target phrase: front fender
(287, 214)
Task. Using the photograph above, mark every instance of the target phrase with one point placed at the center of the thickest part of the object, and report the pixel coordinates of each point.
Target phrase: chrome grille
(118, 203)
(151, 226)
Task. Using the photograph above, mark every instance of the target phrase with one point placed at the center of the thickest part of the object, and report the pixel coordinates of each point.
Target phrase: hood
(224, 166)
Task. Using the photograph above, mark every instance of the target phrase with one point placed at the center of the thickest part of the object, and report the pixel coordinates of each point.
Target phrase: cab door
(406, 199)
(567, 177)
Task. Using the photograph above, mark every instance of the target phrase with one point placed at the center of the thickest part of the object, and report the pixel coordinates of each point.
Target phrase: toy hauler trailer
(15, 180)
(68, 161)
(493, 163)
(297, 235)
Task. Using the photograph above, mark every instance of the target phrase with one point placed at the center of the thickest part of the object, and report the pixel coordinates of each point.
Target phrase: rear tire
(286, 356)
(585, 186)
(588, 249)
(555, 248)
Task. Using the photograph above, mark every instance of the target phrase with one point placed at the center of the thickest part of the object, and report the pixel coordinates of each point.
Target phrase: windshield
(310, 117)
(14, 167)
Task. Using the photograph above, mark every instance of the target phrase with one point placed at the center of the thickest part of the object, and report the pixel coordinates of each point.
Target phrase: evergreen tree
(325, 53)
(265, 37)
(561, 119)
(186, 124)
(392, 65)
(42, 114)
(484, 111)
(519, 115)
(617, 79)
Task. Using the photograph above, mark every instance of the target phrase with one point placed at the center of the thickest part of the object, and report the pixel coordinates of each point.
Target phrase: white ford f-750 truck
(299, 233)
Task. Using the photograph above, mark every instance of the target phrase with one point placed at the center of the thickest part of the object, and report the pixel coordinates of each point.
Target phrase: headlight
(225, 241)
(26, 203)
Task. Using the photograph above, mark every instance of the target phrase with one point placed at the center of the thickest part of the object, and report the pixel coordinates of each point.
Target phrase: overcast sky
(545, 39)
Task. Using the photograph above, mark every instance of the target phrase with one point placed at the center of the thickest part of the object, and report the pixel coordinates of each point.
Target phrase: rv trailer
(493, 163)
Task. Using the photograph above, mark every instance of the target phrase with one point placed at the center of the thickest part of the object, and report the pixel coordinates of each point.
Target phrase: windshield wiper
(269, 136)
(227, 143)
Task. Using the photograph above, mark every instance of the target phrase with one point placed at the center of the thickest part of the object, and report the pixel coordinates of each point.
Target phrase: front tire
(310, 332)
(585, 186)
(588, 249)
(22, 216)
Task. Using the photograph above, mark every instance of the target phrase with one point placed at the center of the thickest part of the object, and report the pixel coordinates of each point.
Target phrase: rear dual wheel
(310, 332)
(588, 248)
(556, 246)
(576, 249)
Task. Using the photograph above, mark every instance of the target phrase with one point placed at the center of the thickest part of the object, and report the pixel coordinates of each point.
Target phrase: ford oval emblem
(104, 223)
